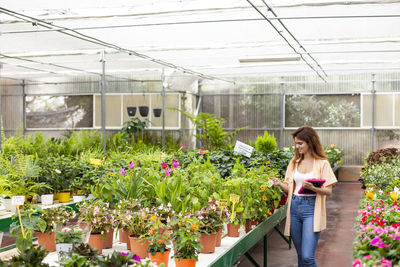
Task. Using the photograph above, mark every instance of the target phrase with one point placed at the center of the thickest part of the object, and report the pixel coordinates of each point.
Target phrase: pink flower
(167, 171)
(163, 165)
(386, 262)
(201, 152)
(124, 254)
(375, 240)
(131, 165)
(182, 147)
(357, 263)
(122, 171)
(136, 258)
(175, 164)
(367, 257)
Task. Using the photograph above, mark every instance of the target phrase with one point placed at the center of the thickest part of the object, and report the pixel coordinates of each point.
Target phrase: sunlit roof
(212, 39)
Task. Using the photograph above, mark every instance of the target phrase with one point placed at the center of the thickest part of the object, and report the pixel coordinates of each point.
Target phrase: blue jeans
(301, 229)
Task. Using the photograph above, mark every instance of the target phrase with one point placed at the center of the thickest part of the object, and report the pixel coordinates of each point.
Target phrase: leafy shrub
(381, 174)
(280, 159)
(266, 144)
(385, 155)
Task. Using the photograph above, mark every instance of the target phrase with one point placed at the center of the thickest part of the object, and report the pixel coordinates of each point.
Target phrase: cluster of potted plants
(378, 239)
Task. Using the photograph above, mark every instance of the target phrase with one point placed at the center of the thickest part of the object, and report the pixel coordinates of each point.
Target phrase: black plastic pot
(144, 111)
(131, 111)
(157, 112)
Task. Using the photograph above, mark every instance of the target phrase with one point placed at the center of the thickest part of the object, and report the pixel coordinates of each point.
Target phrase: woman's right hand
(276, 181)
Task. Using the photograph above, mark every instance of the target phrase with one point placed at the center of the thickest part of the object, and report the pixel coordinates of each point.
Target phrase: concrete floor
(335, 243)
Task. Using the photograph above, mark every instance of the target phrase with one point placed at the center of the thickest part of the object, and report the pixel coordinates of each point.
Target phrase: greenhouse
(173, 122)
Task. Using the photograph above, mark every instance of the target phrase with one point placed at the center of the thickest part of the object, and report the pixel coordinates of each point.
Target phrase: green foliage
(322, 111)
(381, 175)
(212, 135)
(29, 257)
(185, 237)
(266, 144)
(280, 159)
(385, 155)
(157, 237)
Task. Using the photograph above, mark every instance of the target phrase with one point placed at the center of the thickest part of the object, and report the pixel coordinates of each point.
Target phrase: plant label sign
(243, 149)
(18, 200)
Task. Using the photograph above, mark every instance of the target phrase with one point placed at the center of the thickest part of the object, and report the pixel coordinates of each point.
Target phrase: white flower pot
(47, 199)
(78, 198)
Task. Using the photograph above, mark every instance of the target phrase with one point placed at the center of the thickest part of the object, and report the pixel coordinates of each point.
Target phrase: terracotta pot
(97, 241)
(159, 257)
(185, 262)
(48, 241)
(233, 231)
(251, 224)
(123, 238)
(108, 242)
(139, 246)
(208, 242)
(219, 237)
(128, 243)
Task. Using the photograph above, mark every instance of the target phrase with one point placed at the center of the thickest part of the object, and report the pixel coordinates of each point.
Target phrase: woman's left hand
(308, 185)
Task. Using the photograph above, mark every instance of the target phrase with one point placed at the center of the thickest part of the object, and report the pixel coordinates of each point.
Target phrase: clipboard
(316, 182)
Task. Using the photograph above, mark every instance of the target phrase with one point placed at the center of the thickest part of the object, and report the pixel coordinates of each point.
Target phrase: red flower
(396, 225)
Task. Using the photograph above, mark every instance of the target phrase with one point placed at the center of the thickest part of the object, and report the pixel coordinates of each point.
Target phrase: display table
(230, 251)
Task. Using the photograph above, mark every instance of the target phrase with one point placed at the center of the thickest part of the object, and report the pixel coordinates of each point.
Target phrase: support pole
(373, 114)
(281, 136)
(23, 107)
(164, 85)
(103, 100)
(183, 127)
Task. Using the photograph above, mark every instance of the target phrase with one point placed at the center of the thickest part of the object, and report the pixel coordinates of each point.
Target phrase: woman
(306, 215)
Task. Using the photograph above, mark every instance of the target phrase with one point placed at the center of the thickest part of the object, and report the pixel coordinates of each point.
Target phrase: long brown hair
(310, 136)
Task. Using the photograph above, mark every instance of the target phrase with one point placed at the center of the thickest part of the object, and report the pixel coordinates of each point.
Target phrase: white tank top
(299, 178)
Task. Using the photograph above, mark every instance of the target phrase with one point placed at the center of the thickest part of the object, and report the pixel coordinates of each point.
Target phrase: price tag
(243, 149)
(222, 203)
(234, 198)
(18, 200)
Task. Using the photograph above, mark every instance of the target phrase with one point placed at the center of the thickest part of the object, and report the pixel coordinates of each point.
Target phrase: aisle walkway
(335, 244)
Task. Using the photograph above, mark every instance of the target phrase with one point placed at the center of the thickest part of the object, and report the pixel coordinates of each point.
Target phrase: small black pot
(157, 112)
(144, 111)
(131, 111)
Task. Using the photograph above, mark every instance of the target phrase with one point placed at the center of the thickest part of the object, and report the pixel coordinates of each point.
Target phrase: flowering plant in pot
(186, 238)
(98, 215)
(157, 238)
(210, 223)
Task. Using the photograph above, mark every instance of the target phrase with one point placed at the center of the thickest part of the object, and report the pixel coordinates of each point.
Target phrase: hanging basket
(131, 111)
(144, 111)
(157, 112)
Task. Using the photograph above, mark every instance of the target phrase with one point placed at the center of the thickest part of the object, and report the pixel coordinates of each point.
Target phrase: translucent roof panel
(213, 39)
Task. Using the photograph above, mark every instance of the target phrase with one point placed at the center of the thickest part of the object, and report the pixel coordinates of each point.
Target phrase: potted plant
(144, 111)
(68, 234)
(210, 222)
(30, 256)
(47, 219)
(136, 223)
(185, 237)
(131, 111)
(122, 211)
(98, 215)
(157, 239)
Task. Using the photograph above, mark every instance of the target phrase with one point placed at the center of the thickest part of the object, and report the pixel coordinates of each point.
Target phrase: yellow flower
(212, 176)
(205, 151)
(268, 178)
(393, 195)
(111, 174)
(264, 198)
(194, 226)
(267, 162)
(249, 174)
(278, 175)
(269, 171)
(269, 212)
(95, 162)
(154, 218)
(332, 146)
(370, 195)
(140, 141)
(262, 188)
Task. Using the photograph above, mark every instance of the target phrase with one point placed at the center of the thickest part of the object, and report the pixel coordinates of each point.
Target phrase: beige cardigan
(322, 170)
